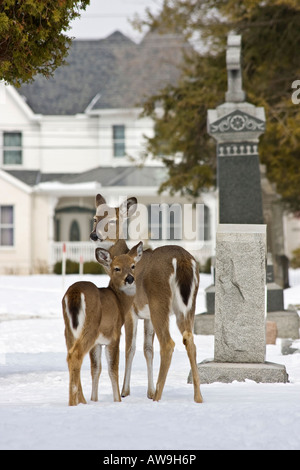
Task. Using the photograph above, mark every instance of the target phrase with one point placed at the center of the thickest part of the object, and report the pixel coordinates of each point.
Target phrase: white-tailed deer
(94, 317)
(167, 282)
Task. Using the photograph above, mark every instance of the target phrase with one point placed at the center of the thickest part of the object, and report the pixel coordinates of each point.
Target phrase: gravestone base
(287, 321)
(226, 372)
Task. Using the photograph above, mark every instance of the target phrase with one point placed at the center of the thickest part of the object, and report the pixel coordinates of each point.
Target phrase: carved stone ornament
(237, 121)
(237, 148)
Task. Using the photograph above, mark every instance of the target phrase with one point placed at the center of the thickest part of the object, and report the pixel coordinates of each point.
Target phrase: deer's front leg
(130, 346)
(112, 354)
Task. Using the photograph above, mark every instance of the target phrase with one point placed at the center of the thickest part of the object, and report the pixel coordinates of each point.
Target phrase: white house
(65, 139)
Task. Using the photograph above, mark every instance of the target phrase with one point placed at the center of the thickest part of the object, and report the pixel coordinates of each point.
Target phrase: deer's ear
(137, 252)
(100, 200)
(128, 207)
(103, 257)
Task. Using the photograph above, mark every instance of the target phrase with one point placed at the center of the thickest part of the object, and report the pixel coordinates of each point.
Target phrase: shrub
(72, 267)
(92, 267)
(295, 261)
(206, 267)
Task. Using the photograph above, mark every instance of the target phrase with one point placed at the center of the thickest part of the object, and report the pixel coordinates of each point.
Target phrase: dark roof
(119, 72)
(121, 176)
(106, 176)
(33, 177)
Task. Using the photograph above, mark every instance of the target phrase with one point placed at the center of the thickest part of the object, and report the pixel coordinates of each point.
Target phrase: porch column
(52, 203)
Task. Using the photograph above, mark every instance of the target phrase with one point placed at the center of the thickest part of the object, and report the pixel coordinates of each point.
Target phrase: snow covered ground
(34, 387)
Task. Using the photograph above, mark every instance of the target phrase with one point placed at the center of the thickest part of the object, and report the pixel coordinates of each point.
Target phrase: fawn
(94, 318)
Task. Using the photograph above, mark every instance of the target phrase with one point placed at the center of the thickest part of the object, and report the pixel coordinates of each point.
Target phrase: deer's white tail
(76, 310)
(184, 283)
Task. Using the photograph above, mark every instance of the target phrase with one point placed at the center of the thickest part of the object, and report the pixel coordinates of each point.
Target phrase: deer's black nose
(94, 236)
(129, 279)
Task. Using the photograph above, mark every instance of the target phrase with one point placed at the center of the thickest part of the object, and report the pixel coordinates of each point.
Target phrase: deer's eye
(117, 269)
(133, 266)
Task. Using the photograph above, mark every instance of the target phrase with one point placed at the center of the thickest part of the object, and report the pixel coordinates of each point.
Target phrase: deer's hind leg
(95, 358)
(74, 397)
(148, 353)
(75, 359)
(159, 310)
(184, 323)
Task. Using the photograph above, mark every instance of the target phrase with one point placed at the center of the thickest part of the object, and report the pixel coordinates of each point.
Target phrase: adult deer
(94, 317)
(167, 281)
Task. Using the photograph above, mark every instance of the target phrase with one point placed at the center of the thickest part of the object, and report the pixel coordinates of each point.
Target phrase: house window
(12, 148)
(74, 232)
(119, 141)
(6, 226)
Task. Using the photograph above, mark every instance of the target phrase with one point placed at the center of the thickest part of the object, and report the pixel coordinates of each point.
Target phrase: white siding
(16, 116)
(17, 259)
(69, 144)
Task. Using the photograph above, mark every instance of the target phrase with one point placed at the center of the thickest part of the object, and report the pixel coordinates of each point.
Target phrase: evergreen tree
(270, 31)
(32, 37)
